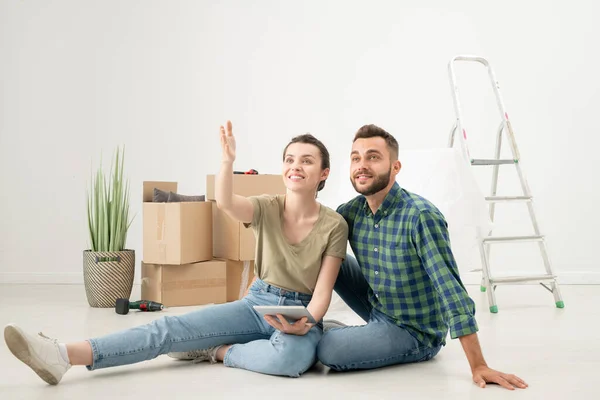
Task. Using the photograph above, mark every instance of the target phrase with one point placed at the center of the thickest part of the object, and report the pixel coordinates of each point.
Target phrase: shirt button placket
(376, 250)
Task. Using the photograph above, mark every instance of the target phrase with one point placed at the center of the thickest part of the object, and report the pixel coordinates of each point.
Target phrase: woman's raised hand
(228, 143)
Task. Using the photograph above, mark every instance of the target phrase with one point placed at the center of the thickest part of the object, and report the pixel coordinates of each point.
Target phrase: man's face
(370, 165)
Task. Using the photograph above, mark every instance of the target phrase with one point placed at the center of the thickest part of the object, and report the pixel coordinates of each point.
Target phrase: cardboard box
(239, 276)
(231, 239)
(185, 285)
(249, 185)
(176, 233)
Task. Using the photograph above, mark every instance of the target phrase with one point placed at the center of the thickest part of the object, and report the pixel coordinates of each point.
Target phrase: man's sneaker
(39, 352)
(332, 323)
(197, 355)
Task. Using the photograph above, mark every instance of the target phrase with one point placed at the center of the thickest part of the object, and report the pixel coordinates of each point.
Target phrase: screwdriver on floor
(123, 306)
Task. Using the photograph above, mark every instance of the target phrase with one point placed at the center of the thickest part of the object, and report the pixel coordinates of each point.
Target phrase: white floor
(556, 351)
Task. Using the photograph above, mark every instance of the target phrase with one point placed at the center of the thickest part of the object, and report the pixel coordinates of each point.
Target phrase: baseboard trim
(469, 278)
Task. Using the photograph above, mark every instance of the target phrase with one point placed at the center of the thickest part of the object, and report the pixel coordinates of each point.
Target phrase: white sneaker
(39, 352)
(197, 355)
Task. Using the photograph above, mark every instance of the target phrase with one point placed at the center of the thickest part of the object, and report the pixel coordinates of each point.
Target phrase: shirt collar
(389, 202)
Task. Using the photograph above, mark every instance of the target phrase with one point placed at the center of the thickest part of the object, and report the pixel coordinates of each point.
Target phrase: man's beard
(380, 182)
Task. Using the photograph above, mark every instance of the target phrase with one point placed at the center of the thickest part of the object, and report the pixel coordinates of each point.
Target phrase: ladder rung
(492, 162)
(517, 279)
(495, 199)
(502, 239)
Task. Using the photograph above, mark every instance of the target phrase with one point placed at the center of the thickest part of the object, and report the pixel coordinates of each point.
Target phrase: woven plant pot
(108, 276)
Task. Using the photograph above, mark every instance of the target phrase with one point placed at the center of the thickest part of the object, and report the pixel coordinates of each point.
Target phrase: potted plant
(108, 267)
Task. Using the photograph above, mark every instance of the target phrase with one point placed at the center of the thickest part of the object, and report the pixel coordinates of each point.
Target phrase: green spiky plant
(108, 208)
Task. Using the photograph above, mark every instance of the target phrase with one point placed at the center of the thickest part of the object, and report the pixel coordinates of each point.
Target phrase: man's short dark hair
(369, 131)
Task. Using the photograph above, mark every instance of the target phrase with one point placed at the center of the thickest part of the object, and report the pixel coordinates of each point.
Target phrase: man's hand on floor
(483, 375)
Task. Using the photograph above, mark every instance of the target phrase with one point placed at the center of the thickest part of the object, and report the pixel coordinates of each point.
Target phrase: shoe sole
(17, 344)
(175, 357)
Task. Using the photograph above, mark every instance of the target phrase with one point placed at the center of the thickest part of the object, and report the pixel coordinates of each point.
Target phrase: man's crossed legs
(379, 343)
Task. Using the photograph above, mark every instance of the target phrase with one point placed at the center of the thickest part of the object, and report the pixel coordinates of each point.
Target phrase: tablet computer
(291, 313)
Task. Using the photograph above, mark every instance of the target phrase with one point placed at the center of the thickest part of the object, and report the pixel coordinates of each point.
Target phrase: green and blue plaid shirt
(404, 253)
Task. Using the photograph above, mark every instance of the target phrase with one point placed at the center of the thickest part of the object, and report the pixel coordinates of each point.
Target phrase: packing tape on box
(160, 235)
(244, 281)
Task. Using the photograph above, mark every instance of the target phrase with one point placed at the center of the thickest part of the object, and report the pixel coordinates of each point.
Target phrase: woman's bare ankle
(80, 353)
(220, 356)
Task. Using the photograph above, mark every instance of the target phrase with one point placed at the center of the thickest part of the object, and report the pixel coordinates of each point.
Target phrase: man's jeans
(378, 343)
(256, 345)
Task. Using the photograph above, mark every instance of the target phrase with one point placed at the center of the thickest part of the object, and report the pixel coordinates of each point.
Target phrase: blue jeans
(379, 343)
(256, 345)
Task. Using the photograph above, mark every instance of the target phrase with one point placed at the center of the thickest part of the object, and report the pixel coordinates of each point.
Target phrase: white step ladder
(489, 282)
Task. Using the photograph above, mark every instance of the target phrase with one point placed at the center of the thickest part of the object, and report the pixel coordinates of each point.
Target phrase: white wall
(80, 77)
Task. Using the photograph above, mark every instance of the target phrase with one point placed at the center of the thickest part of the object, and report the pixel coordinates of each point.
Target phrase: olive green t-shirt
(294, 267)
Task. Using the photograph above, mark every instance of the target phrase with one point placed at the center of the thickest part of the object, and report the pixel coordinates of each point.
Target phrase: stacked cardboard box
(178, 267)
(232, 241)
(193, 253)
